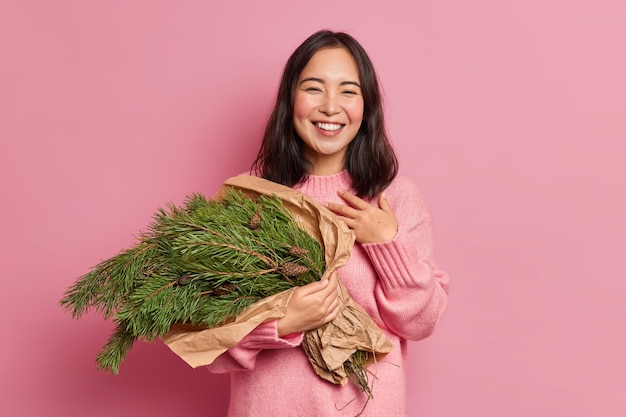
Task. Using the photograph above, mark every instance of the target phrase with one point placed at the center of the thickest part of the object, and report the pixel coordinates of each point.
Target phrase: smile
(329, 127)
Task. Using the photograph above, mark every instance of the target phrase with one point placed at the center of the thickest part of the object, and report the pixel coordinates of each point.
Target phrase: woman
(326, 138)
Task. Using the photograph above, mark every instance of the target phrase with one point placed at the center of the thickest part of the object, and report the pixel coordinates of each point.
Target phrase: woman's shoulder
(405, 196)
(403, 185)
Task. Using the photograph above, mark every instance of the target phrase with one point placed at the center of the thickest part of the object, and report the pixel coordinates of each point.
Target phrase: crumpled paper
(327, 347)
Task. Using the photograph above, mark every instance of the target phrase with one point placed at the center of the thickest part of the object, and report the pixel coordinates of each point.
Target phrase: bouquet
(205, 274)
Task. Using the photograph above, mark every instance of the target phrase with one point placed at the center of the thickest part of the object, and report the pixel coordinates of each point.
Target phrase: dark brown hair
(370, 159)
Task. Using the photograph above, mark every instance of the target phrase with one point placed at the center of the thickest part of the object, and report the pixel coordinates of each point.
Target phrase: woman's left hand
(369, 223)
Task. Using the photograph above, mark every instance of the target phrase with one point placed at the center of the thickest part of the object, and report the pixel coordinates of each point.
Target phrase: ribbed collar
(319, 186)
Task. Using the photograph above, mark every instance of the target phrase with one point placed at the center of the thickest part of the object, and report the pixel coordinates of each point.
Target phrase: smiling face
(328, 109)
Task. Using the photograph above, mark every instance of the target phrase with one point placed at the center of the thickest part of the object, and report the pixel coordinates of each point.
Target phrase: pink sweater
(397, 283)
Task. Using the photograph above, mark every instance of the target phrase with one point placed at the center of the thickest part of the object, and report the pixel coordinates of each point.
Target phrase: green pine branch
(201, 264)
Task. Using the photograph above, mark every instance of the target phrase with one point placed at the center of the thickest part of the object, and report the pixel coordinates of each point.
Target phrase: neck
(323, 167)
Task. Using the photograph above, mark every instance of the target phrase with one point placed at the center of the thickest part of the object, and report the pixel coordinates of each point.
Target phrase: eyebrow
(319, 80)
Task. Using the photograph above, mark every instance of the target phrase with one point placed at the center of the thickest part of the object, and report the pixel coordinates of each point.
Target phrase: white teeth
(329, 126)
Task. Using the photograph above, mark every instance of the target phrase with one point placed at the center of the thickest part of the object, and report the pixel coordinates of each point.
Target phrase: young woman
(326, 137)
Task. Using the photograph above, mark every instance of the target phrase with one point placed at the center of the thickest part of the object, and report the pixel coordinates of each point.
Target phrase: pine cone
(297, 251)
(225, 289)
(183, 280)
(255, 220)
(291, 269)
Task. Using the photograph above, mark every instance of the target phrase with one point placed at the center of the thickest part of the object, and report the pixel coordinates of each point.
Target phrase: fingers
(324, 287)
(313, 287)
(332, 279)
(330, 295)
(357, 204)
(311, 306)
(353, 199)
(369, 223)
(330, 288)
(333, 310)
(352, 210)
(341, 209)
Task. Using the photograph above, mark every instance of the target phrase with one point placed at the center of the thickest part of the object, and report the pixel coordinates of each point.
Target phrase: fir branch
(226, 265)
(268, 261)
(356, 371)
(115, 350)
(105, 287)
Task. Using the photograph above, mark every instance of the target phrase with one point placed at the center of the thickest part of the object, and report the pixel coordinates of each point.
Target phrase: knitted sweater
(397, 283)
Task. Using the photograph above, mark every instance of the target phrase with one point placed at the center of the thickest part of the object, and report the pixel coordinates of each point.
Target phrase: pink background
(511, 115)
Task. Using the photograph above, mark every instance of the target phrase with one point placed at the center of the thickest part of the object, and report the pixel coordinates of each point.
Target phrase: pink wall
(510, 114)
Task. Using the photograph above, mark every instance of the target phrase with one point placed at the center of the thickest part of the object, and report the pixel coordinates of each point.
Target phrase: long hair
(370, 159)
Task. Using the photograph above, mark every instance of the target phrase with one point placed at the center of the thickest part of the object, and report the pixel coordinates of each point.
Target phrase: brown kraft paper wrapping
(327, 347)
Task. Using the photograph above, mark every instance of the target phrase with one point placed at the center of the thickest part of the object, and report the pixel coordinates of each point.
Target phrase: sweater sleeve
(411, 292)
(243, 355)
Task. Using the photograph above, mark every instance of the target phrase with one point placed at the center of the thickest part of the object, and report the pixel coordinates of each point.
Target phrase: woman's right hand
(311, 306)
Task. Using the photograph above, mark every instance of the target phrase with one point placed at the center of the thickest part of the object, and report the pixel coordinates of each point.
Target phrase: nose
(330, 106)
